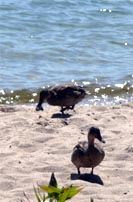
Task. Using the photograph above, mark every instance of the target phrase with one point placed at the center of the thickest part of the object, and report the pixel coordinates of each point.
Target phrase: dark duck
(88, 154)
(65, 96)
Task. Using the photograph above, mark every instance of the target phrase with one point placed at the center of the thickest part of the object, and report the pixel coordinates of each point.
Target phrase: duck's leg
(72, 107)
(78, 171)
(92, 171)
(63, 109)
(66, 108)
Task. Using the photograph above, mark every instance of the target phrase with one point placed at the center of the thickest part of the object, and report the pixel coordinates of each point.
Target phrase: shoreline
(35, 144)
(96, 93)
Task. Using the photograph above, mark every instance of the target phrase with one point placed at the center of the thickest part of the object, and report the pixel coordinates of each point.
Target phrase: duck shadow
(88, 178)
(61, 116)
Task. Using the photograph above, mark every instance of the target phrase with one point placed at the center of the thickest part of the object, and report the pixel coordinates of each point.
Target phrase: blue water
(46, 42)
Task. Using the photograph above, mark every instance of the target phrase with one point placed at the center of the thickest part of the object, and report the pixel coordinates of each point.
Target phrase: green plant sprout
(54, 193)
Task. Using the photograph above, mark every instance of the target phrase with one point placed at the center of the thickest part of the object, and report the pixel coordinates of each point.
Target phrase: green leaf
(37, 195)
(68, 193)
(50, 190)
(73, 190)
(53, 181)
(42, 197)
(63, 196)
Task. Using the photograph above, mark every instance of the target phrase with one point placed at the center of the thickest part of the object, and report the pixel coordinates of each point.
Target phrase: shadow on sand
(61, 116)
(88, 178)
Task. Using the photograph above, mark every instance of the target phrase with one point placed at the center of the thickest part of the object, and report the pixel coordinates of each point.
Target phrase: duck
(88, 154)
(66, 96)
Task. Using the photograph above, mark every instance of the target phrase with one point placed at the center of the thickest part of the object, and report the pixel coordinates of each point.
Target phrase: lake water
(43, 43)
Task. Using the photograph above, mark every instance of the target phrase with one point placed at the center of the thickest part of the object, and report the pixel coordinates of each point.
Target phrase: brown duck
(65, 96)
(88, 154)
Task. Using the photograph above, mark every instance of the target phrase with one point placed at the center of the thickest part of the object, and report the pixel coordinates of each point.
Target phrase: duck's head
(43, 96)
(95, 133)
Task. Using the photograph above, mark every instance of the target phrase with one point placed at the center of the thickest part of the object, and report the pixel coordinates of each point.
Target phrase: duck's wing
(68, 89)
(82, 146)
(66, 95)
(74, 92)
(59, 91)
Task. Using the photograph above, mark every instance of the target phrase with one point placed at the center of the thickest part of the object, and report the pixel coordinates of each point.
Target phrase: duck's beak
(42, 97)
(103, 141)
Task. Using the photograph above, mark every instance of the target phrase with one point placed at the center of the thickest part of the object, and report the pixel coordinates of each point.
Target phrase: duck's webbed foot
(72, 107)
(62, 110)
(67, 108)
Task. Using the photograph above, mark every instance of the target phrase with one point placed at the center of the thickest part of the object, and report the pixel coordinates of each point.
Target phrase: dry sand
(35, 144)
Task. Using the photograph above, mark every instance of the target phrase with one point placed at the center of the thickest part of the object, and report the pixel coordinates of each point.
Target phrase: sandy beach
(35, 144)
